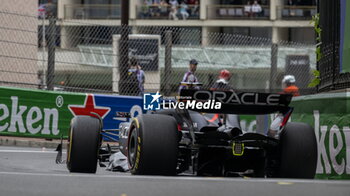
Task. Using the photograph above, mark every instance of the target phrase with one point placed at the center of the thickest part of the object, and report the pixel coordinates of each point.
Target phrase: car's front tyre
(83, 144)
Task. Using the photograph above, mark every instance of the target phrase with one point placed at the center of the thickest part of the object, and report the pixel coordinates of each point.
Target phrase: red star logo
(88, 108)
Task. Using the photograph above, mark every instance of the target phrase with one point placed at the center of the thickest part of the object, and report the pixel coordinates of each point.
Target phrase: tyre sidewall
(157, 145)
(298, 147)
(84, 143)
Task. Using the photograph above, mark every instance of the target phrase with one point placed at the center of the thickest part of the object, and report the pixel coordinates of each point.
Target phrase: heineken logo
(21, 118)
(22, 115)
(336, 155)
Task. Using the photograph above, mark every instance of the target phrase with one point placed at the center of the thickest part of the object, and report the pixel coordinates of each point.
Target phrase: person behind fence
(163, 8)
(183, 10)
(155, 8)
(173, 9)
(256, 9)
(248, 9)
(145, 9)
(222, 84)
(288, 85)
(195, 9)
(189, 76)
(136, 78)
(51, 9)
(232, 120)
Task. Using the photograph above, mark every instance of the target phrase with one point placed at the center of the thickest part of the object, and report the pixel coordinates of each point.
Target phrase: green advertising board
(47, 114)
(248, 122)
(35, 113)
(329, 115)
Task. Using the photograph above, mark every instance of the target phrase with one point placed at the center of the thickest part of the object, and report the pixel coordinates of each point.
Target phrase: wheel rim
(132, 147)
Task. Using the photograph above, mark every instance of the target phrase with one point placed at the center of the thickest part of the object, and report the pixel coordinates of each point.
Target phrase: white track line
(30, 151)
(295, 181)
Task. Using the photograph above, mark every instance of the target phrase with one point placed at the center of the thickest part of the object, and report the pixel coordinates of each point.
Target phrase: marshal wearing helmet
(223, 82)
(288, 85)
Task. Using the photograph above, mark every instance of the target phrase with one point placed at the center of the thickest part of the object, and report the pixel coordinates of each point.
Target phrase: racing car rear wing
(229, 102)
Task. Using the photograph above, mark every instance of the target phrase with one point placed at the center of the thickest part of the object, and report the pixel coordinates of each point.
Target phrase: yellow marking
(138, 149)
(233, 150)
(285, 183)
(123, 194)
(137, 163)
(137, 157)
(137, 123)
(70, 143)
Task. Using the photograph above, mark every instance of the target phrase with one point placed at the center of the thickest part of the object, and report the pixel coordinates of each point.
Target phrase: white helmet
(288, 79)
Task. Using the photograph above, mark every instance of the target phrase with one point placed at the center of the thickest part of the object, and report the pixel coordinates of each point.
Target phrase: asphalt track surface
(33, 172)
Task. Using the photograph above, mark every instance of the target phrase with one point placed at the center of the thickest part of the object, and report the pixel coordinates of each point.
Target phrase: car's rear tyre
(298, 151)
(153, 145)
(83, 146)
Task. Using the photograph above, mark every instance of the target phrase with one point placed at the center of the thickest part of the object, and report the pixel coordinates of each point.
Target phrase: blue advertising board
(119, 106)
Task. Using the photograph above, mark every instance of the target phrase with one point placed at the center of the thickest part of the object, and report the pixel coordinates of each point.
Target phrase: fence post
(124, 48)
(51, 44)
(273, 70)
(167, 62)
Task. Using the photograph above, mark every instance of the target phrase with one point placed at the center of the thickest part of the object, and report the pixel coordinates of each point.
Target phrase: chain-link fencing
(84, 56)
(332, 73)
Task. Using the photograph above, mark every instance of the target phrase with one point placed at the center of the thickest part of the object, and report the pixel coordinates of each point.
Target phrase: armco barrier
(329, 115)
(47, 114)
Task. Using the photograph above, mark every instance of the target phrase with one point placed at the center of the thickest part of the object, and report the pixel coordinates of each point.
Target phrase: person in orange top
(289, 87)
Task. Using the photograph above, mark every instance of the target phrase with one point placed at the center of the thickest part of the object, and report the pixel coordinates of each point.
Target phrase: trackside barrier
(329, 114)
(47, 114)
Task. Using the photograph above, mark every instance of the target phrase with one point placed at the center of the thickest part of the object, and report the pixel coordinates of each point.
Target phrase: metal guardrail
(91, 11)
(236, 12)
(296, 12)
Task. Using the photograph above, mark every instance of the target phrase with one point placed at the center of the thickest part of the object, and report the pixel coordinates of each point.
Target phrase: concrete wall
(18, 43)
(61, 7)
(302, 35)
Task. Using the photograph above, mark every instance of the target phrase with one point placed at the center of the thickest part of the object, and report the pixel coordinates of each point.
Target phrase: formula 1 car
(175, 141)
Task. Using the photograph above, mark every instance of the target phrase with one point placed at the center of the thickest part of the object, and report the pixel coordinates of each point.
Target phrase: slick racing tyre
(84, 142)
(298, 151)
(153, 145)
